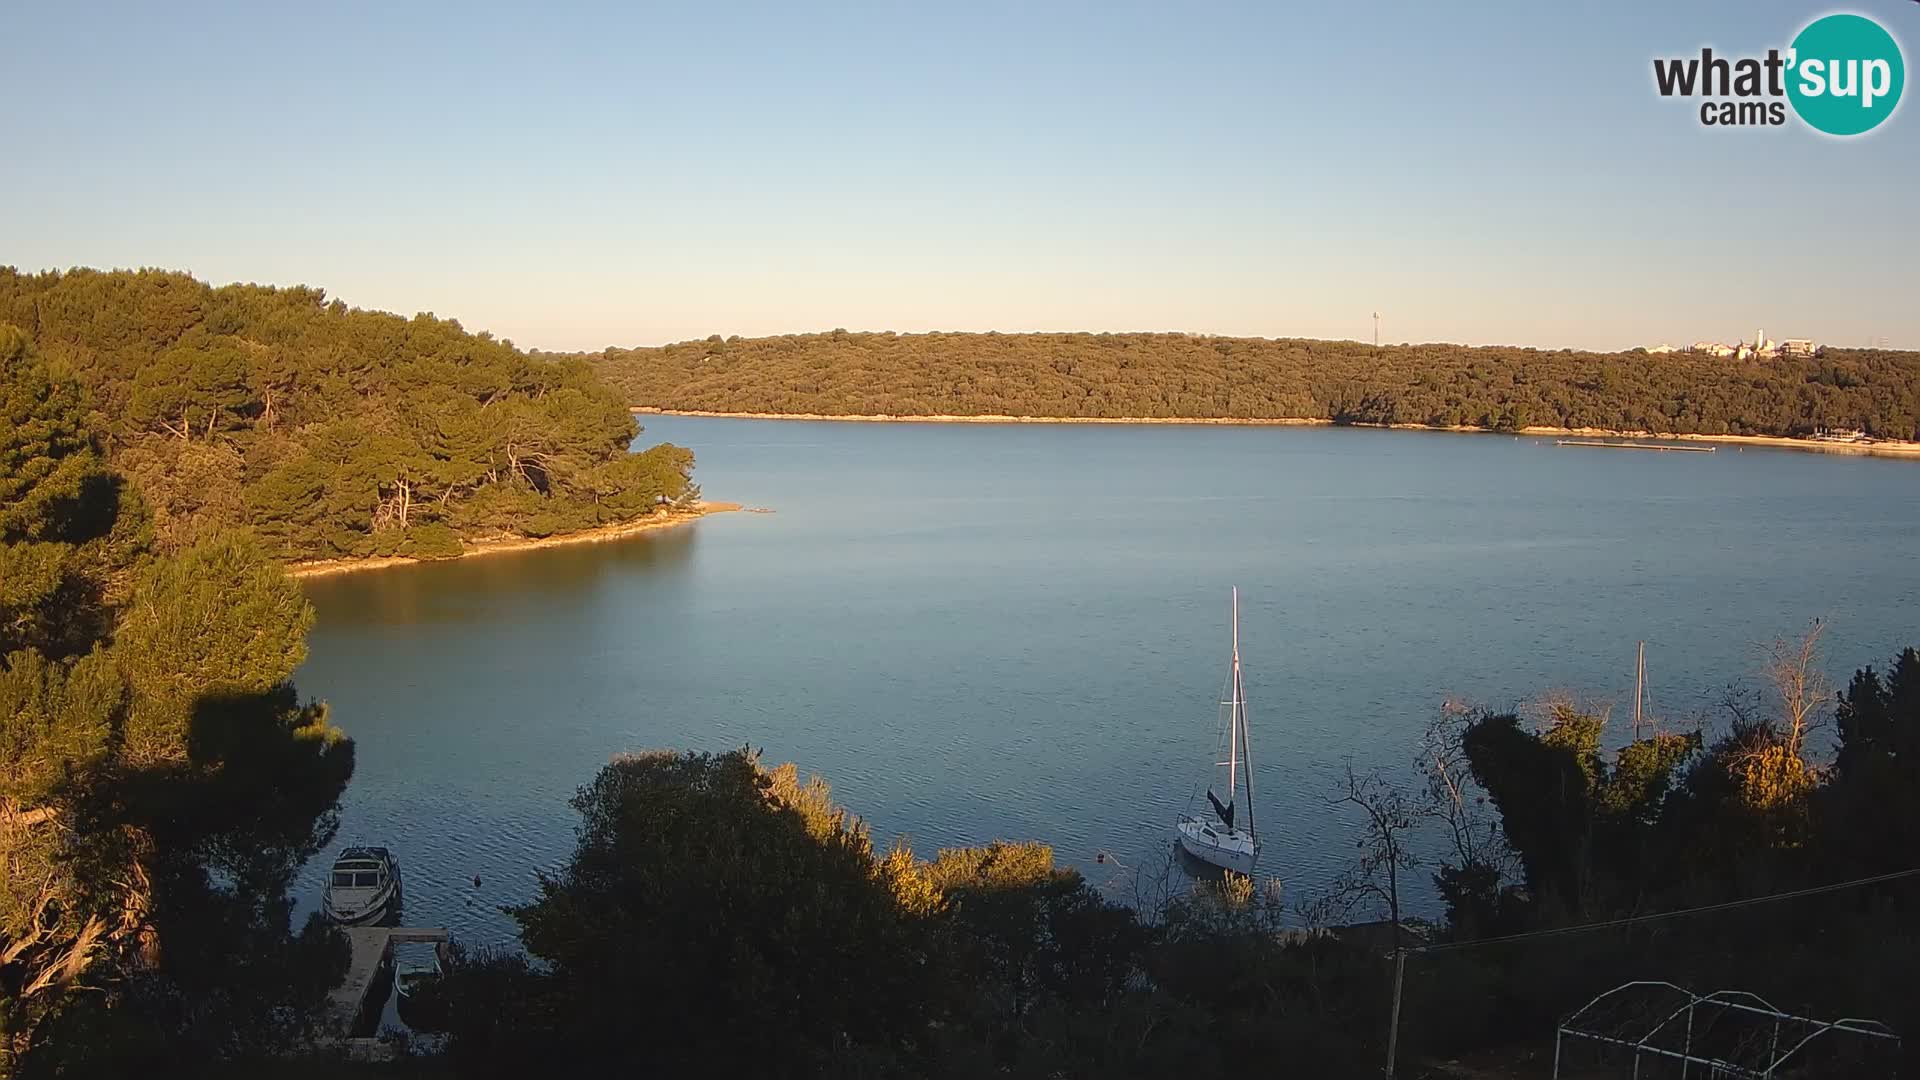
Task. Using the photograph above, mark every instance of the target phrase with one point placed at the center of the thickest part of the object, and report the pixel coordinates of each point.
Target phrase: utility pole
(1393, 1031)
(1376, 329)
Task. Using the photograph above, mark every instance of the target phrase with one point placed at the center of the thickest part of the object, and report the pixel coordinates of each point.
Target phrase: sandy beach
(505, 544)
(1884, 448)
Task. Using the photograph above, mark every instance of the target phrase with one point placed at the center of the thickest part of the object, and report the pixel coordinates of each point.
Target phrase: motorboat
(363, 887)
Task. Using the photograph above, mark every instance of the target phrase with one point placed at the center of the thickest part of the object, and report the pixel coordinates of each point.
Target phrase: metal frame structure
(1728, 1033)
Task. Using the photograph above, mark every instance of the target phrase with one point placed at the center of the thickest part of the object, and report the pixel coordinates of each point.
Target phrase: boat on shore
(363, 887)
(1218, 839)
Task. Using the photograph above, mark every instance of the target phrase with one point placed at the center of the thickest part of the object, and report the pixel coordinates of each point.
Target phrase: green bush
(435, 540)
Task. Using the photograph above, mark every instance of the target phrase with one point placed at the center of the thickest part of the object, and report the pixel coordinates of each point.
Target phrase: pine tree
(334, 432)
(150, 746)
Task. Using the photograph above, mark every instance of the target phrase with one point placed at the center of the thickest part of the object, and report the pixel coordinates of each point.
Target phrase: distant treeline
(1181, 375)
(331, 430)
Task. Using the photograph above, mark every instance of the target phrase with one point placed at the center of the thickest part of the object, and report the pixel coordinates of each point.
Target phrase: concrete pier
(1634, 445)
(372, 951)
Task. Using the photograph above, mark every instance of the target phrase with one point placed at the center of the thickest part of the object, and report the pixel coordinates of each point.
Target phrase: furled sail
(1224, 810)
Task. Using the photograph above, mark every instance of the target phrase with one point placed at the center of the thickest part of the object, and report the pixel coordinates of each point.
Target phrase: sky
(572, 177)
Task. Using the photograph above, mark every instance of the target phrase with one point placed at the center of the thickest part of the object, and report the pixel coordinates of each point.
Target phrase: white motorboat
(363, 887)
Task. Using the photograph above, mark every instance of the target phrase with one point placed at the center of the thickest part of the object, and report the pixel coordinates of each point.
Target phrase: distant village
(1760, 346)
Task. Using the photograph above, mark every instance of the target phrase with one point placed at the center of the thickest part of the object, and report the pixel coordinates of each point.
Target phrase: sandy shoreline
(475, 548)
(1879, 449)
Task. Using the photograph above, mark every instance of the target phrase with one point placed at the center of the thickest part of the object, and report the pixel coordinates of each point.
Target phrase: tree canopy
(332, 431)
(1587, 830)
(1190, 375)
(160, 780)
(719, 917)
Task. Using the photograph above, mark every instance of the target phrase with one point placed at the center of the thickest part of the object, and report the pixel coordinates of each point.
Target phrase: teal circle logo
(1846, 74)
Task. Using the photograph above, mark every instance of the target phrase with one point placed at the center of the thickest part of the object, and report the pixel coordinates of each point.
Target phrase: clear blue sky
(1488, 172)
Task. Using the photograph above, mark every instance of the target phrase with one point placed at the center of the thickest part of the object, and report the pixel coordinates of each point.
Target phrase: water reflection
(459, 589)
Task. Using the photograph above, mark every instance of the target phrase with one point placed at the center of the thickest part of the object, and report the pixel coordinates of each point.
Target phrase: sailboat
(1640, 698)
(1218, 839)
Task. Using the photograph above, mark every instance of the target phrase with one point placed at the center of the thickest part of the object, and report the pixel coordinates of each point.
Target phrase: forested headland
(331, 431)
(1200, 377)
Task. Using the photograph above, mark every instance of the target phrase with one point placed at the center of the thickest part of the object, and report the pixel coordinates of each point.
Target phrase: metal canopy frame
(1728, 1033)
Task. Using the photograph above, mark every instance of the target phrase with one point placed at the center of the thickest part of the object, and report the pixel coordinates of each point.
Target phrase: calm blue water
(1021, 631)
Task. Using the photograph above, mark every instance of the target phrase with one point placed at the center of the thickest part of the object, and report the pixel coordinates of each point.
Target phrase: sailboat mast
(1240, 709)
(1233, 709)
(1639, 687)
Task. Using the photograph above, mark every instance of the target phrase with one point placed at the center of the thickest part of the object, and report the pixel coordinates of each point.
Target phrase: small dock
(372, 955)
(1621, 445)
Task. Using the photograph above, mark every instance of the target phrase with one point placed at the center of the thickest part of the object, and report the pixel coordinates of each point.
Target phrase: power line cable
(1659, 915)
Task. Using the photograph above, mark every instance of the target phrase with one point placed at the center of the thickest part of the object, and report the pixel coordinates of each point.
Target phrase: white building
(1760, 347)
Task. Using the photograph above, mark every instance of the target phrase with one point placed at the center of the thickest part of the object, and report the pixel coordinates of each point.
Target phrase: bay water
(1021, 631)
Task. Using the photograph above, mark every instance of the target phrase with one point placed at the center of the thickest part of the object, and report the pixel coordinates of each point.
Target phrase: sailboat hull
(1228, 849)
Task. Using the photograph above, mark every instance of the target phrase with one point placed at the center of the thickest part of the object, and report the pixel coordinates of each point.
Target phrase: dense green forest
(160, 780)
(332, 431)
(1182, 375)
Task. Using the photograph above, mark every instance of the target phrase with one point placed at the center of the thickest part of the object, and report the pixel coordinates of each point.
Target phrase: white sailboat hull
(1228, 849)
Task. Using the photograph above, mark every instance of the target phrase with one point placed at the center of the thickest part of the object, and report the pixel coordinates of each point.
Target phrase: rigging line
(1658, 915)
